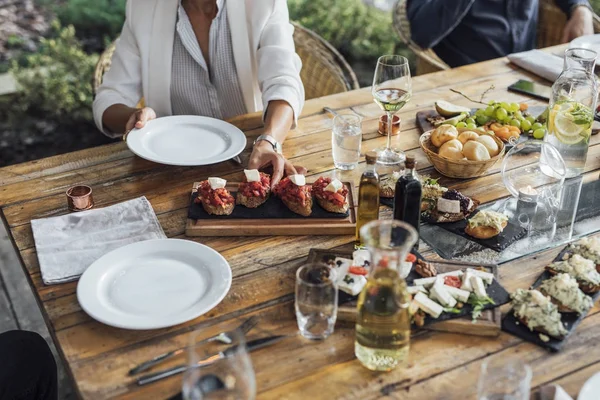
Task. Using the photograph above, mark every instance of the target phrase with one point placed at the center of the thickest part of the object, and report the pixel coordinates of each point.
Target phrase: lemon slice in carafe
(564, 127)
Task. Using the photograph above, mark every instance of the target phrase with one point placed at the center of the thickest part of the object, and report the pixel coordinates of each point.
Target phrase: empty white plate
(154, 284)
(187, 140)
(590, 389)
(591, 42)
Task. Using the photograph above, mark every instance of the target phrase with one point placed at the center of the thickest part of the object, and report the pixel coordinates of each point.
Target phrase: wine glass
(218, 371)
(391, 91)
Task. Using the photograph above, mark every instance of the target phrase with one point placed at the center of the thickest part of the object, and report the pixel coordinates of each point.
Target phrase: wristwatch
(276, 145)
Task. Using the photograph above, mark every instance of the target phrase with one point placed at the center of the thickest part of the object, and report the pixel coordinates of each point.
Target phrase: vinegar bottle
(407, 197)
(368, 195)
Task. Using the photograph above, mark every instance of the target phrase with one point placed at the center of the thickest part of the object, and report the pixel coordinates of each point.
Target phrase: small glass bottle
(368, 195)
(407, 197)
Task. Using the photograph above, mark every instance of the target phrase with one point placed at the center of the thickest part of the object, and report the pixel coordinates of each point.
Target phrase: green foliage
(57, 84)
(93, 18)
(14, 41)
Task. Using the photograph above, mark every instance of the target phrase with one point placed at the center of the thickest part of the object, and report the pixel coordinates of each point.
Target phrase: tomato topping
(337, 198)
(216, 197)
(453, 281)
(289, 191)
(411, 258)
(384, 262)
(256, 189)
(358, 270)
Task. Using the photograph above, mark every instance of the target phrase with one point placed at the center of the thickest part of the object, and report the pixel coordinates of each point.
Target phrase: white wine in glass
(391, 91)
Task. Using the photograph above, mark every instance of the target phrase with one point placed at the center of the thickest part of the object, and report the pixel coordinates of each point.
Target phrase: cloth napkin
(554, 392)
(68, 244)
(543, 64)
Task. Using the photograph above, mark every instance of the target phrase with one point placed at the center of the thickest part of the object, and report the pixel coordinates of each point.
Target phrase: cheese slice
(428, 306)
(252, 175)
(458, 294)
(448, 206)
(413, 307)
(217, 183)
(478, 288)
(539, 299)
(415, 289)
(334, 186)
(352, 284)
(430, 281)
(360, 257)
(487, 277)
(298, 180)
(466, 282)
(441, 294)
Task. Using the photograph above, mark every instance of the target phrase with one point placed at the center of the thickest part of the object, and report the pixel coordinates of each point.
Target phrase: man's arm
(580, 18)
(432, 20)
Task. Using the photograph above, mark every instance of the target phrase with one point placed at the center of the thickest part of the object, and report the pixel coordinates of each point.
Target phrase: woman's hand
(580, 24)
(139, 118)
(263, 155)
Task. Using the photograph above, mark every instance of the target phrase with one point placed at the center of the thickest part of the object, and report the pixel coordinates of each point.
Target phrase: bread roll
(443, 134)
(451, 153)
(475, 151)
(452, 143)
(465, 136)
(490, 144)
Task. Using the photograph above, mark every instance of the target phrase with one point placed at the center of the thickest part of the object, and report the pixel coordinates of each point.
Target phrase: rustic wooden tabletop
(442, 365)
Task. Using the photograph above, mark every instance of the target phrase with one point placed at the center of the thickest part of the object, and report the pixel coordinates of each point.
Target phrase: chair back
(324, 69)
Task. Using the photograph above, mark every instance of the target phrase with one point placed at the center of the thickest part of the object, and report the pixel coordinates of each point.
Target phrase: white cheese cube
(428, 306)
(448, 206)
(352, 284)
(334, 186)
(458, 294)
(341, 266)
(415, 289)
(413, 307)
(441, 294)
(298, 180)
(359, 257)
(217, 183)
(487, 277)
(466, 281)
(252, 175)
(478, 287)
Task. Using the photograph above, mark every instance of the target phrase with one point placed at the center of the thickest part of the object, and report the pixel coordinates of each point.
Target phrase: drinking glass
(501, 379)
(316, 300)
(391, 91)
(345, 141)
(218, 371)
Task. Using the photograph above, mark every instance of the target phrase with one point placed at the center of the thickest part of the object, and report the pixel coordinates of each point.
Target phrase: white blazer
(267, 65)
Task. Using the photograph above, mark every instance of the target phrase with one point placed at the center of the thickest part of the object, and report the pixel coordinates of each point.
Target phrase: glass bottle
(574, 95)
(383, 321)
(368, 195)
(407, 196)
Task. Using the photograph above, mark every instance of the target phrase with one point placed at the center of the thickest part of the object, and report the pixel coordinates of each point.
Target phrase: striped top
(197, 89)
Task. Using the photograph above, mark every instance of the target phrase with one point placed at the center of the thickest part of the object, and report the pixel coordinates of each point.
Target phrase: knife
(251, 346)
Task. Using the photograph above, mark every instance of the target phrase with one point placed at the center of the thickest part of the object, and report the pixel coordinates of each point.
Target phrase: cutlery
(222, 337)
(237, 160)
(251, 346)
(331, 111)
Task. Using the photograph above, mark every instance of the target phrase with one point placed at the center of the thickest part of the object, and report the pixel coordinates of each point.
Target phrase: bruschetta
(214, 197)
(565, 293)
(254, 190)
(450, 206)
(589, 248)
(486, 224)
(538, 313)
(295, 194)
(332, 195)
(580, 268)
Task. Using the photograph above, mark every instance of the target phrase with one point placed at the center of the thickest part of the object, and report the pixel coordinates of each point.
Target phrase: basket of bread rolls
(460, 152)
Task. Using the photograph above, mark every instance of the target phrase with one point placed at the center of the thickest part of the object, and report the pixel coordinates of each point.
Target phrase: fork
(222, 337)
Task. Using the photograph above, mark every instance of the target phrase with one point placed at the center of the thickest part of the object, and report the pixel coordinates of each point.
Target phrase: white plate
(591, 42)
(154, 284)
(187, 140)
(590, 389)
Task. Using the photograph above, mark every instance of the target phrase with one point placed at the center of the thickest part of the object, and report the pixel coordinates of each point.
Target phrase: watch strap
(276, 145)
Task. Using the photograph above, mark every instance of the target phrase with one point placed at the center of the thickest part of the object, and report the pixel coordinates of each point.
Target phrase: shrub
(57, 85)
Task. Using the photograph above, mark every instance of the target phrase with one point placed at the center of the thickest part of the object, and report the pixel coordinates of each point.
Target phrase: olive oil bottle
(368, 195)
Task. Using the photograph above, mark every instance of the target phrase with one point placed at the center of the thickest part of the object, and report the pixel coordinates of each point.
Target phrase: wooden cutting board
(488, 324)
(224, 226)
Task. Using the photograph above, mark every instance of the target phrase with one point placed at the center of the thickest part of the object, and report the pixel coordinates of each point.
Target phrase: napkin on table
(543, 64)
(68, 244)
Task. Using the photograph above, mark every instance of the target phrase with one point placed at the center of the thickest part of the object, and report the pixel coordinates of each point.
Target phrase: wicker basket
(458, 168)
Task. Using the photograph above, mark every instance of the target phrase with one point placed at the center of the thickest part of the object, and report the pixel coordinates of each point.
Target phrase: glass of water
(316, 300)
(345, 141)
(219, 371)
(502, 379)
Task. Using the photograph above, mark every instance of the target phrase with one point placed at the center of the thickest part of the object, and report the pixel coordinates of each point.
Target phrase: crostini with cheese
(254, 190)
(295, 194)
(486, 224)
(332, 195)
(214, 197)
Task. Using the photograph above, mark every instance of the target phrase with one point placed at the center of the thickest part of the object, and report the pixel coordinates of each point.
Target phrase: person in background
(468, 31)
(214, 58)
(27, 367)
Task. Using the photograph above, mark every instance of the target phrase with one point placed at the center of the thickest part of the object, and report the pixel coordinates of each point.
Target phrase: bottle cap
(410, 162)
(371, 157)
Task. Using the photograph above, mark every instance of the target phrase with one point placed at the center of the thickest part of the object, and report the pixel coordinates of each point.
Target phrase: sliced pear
(446, 109)
(453, 120)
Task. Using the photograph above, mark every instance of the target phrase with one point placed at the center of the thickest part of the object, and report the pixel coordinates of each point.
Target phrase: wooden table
(442, 365)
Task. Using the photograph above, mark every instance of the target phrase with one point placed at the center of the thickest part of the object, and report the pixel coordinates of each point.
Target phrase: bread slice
(386, 192)
(562, 308)
(539, 329)
(585, 287)
(304, 210)
(483, 232)
(332, 207)
(226, 209)
(250, 202)
(433, 215)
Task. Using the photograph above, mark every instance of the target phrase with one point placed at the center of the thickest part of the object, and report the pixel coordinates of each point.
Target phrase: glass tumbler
(316, 300)
(504, 380)
(345, 141)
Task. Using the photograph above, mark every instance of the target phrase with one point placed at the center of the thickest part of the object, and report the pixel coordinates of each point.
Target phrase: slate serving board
(511, 325)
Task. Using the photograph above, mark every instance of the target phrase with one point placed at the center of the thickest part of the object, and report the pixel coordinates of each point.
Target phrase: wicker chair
(549, 33)
(324, 69)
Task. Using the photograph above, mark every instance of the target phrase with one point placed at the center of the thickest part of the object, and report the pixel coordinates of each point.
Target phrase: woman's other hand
(264, 155)
(139, 118)
(580, 24)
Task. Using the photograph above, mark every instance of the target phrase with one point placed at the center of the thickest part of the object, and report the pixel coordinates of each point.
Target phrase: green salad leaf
(478, 304)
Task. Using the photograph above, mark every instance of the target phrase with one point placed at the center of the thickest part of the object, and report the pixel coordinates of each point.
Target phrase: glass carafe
(383, 321)
(572, 106)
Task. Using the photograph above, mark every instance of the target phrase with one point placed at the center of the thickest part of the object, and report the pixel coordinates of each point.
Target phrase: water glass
(316, 300)
(345, 141)
(219, 371)
(501, 379)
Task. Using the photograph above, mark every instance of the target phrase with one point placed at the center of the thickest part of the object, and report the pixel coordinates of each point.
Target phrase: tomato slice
(453, 281)
(358, 270)
(411, 258)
